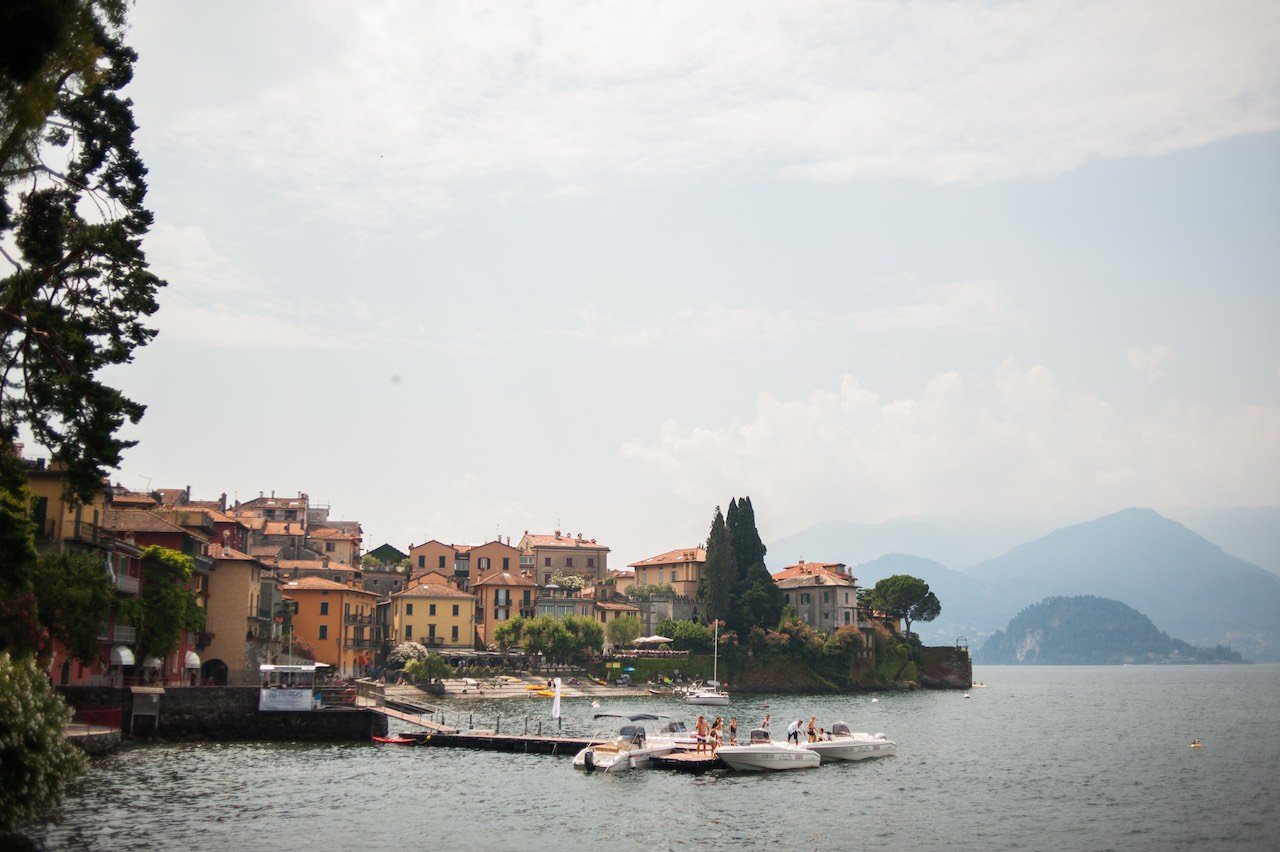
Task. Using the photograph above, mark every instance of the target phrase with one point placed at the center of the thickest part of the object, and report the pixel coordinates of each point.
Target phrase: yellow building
(435, 615)
(241, 623)
(680, 569)
(339, 622)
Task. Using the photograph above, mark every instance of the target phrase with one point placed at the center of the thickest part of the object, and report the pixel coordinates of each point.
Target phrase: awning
(193, 660)
(152, 663)
(121, 655)
(651, 640)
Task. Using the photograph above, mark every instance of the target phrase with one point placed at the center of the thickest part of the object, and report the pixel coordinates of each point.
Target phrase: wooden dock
(490, 741)
(689, 761)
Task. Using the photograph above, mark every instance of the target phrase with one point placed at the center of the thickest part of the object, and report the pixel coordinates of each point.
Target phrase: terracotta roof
(172, 496)
(318, 584)
(498, 577)
(616, 606)
(269, 551)
(275, 503)
(810, 569)
(565, 541)
(127, 500)
(218, 551)
(797, 581)
(433, 590)
(313, 565)
(618, 574)
(250, 521)
(140, 520)
(330, 533)
(673, 557)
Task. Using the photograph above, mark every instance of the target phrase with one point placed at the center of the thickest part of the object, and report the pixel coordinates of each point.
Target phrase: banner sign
(284, 699)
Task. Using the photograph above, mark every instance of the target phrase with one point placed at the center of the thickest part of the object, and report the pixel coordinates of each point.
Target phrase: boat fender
(589, 761)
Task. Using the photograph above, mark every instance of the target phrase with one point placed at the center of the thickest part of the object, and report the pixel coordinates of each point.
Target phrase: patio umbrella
(660, 640)
(628, 668)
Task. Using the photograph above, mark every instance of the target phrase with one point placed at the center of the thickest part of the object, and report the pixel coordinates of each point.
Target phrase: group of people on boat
(798, 729)
(710, 736)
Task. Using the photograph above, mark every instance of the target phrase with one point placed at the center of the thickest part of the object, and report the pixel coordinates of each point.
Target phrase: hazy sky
(457, 268)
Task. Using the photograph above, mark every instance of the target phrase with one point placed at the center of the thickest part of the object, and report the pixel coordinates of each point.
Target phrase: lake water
(1044, 758)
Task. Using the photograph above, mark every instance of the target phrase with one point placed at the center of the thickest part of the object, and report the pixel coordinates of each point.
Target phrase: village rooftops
(316, 584)
(802, 568)
(140, 520)
(673, 557)
(131, 500)
(616, 607)
(799, 581)
(564, 541)
(283, 528)
(498, 577)
(329, 533)
(433, 590)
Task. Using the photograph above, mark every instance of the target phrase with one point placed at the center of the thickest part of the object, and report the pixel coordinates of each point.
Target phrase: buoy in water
(1196, 744)
(595, 703)
(875, 700)
(966, 695)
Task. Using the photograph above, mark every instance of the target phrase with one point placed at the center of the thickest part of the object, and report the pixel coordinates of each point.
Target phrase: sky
(461, 270)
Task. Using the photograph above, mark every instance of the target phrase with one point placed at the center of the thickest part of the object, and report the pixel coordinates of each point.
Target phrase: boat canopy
(840, 728)
(760, 735)
(633, 717)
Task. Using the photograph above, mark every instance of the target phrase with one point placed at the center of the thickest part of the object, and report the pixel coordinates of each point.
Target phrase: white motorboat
(851, 745)
(710, 693)
(630, 748)
(763, 753)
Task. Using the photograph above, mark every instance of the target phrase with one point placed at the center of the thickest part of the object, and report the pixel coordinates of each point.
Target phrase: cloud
(211, 301)
(564, 99)
(979, 307)
(1010, 441)
(1149, 360)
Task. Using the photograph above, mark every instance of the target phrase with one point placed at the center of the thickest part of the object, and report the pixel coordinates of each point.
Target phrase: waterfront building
(464, 563)
(620, 580)
(823, 594)
(240, 620)
(681, 569)
(502, 595)
(544, 556)
(436, 615)
(432, 556)
(144, 528)
(338, 621)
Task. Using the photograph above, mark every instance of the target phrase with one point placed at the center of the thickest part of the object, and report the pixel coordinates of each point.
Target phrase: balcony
(121, 634)
(355, 618)
(125, 583)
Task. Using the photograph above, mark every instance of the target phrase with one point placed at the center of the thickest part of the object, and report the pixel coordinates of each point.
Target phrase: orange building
(501, 596)
(680, 569)
(339, 622)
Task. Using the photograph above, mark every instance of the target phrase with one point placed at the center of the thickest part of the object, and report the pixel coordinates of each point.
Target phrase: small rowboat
(395, 740)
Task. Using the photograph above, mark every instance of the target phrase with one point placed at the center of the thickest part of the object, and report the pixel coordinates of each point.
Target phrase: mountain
(968, 609)
(850, 543)
(1185, 583)
(1087, 630)
(1252, 533)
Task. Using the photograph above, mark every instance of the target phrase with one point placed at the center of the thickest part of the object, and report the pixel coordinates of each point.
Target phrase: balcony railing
(355, 618)
(127, 584)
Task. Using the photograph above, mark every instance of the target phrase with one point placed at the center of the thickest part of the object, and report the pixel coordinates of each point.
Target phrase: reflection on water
(1046, 757)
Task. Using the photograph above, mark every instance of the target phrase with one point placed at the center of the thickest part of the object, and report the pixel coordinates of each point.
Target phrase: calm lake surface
(1044, 758)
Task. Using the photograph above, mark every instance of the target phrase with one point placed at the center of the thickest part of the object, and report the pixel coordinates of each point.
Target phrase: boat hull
(852, 749)
(605, 758)
(710, 699)
(768, 758)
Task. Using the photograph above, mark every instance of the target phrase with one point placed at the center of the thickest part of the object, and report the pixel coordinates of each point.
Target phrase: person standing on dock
(813, 729)
(700, 733)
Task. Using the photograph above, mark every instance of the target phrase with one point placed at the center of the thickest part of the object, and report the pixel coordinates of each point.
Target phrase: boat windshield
(760, 735)
(839, 728)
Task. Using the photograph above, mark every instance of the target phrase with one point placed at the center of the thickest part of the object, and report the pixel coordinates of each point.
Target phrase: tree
(906, 597)
(405, 653)
(78, 291)
(37, 758)
(167, 605)
(428, 669)
(689, 636)
(508, 633)
(587, 633)
(571, 582)
(761, 599)
(718, 572)
(624, 630)
(74, 600)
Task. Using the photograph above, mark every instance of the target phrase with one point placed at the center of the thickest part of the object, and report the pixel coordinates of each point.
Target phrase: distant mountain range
(1086, 630)
(1186, 584)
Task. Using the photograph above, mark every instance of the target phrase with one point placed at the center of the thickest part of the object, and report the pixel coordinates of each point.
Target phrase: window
(408, 609)
(804, 597)
(422, 562)
(673, 575)
(324, 631)
(440, 563)
(846, 597)
(431, 609)
(328, 547)
(546, 579)
(483, 563)
(591, 562)
(826, 596)
(408, 631)
(506, 563)
(431, 631)
(568, 562)
(527, 593)
(455, 631)
(846, 616)
(324, 607)
(346, 609)
(546, 561)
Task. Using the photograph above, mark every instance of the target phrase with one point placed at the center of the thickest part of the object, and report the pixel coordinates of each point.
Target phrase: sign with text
(284, 699)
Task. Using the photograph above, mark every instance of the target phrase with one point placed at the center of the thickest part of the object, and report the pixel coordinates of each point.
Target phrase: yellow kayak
(534, 687)
(546, 693)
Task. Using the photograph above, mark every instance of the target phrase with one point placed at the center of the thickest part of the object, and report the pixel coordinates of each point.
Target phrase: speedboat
(709, 694)
(851, 745)
(763, 753)
(630, 748)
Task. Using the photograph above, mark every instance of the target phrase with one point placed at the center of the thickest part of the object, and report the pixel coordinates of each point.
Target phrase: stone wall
(230, 713)
(946, 668)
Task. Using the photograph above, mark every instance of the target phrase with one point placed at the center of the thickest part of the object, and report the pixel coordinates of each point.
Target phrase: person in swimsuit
(700, 733)
(813, 729)
(733, 730)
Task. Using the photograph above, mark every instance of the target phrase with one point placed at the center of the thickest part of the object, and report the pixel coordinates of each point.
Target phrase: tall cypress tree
(756, 598)
(718, 574)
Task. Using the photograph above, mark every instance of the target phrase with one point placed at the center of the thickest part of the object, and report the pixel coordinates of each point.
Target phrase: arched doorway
(214, 673)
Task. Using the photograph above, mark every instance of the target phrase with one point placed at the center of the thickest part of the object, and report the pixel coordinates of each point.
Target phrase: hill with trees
(1089, 630)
